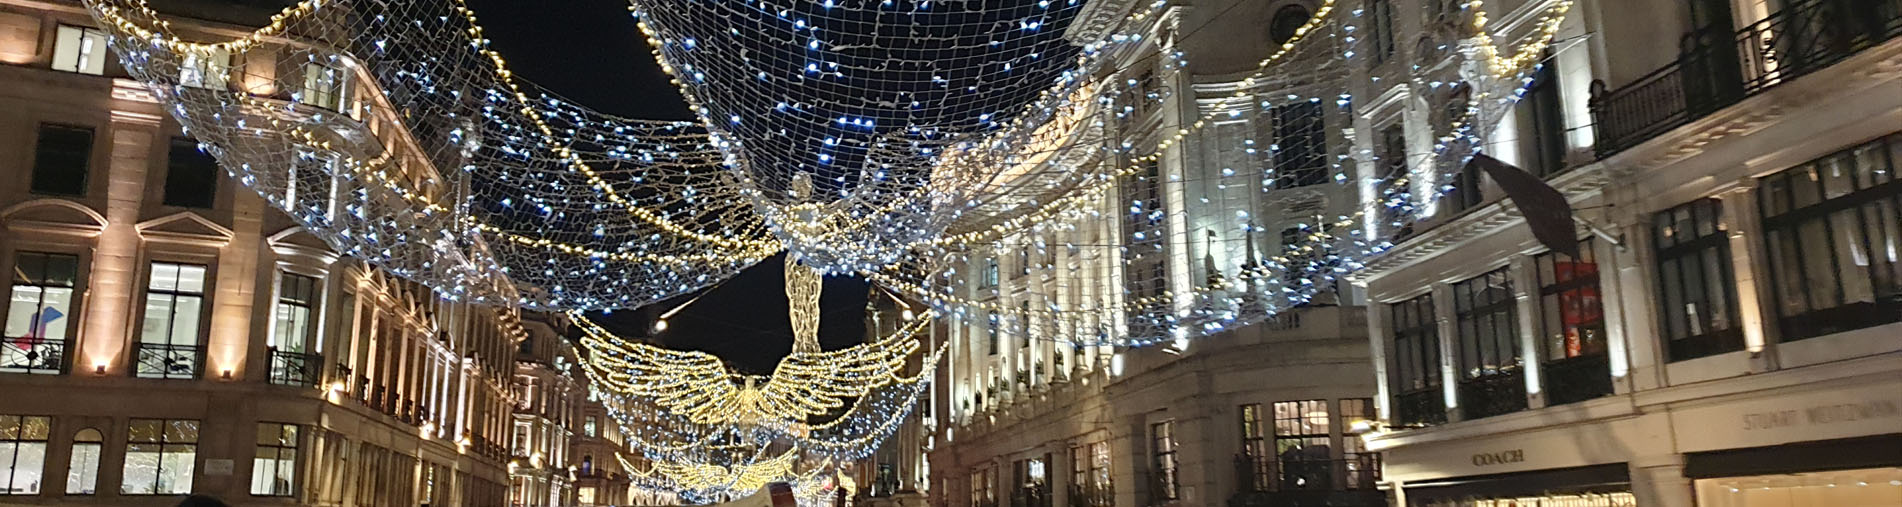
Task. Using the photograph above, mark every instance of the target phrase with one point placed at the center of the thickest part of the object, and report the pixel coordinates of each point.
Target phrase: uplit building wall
(1728, 335)
(1258, 414)
(168, 333)
(548, 402)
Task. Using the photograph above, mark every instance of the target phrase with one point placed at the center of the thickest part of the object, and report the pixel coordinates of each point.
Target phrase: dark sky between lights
(591, 52)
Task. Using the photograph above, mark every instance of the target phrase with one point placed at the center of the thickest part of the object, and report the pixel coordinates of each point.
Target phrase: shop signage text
(1819, 415)
(1499, 458)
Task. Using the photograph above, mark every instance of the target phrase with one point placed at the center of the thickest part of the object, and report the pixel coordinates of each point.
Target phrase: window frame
(43, 344)
(1711, 251)
(83, 159)
(277, 458)
(1296, 433)
(1381, 13)
(172, 344)
(1254, 447)
(164, 447)
(18, 439)
(1163, 450)
(194, 158)
(97, 443)
(1300, 153)
(1469, 309)
(312, 305)
(81, 62)
(1855, 206)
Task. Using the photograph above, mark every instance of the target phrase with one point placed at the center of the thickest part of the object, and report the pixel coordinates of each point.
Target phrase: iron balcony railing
(39, 356)
(1425, 407)
(164, 360)
(295, 368)
(1715, 70)
(1357, 471)
(1495, 394)
(1576, 379)
(1092, 496)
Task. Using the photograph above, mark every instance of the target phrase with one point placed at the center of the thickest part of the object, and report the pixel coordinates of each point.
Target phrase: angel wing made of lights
(699, 386)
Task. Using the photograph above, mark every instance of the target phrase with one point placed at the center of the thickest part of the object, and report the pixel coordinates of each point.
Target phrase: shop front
(1575, 465)
(1831, 445)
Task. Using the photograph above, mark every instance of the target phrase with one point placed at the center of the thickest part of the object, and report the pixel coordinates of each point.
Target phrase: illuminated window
(174, 310)
(324, 86)
(1255, 448)
(1575, 367)
(80, 49)
(274, 467)
(296, 305)
(160, 457)
(38, 313)
(82, 476)
(207, 70)
(1699, 312)
(1833, 228)
(1490, 357)
(1301, 444)
(22, 453)
(1415, 374)
(1163, 448)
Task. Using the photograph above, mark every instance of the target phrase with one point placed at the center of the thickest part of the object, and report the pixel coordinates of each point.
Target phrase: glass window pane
(185, 321)
(82, 476)
(176, 467)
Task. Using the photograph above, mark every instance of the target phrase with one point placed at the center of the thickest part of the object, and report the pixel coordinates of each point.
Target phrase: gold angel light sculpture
(699, 386)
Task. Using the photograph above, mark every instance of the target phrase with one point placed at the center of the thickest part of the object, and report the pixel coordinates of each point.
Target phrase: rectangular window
(989, 280)
(324, 86)
(38, 313)
(1699, 314)
(1163, 447)
(274, 467)
(1023, 324)
(1023, 261)
(191, 175)
(1831, 228)
(174, 309)
(1574, 366)
(22, 453)
(1300, 147)
(1416, 363)
(206, 70)
(991, 336)
(80, 49)
(1363, 465)
(1392, 189)
(1301, 444)
(589, 427)
(1540, 122)
(1380, 12)
(1490, 359)
(296, 308)
(1257, 460)
(310, 192)
(61, 159)
(160, 457)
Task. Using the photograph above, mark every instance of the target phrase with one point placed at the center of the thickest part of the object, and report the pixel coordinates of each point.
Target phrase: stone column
(1449, 354)
(1750, 269)
(1525, 289)
(114, 273)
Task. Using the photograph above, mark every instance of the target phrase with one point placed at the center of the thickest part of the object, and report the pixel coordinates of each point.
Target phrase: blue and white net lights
(586, 211)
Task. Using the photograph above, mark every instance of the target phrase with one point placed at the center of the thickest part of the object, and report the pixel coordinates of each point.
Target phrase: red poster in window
(1579, 308)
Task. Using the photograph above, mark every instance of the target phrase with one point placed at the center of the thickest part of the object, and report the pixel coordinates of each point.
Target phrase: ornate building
(549, 395)
(1029, 413)
(1727, 335)
(168, 332)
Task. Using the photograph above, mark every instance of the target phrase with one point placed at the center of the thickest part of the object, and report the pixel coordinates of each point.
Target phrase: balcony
(1299, 483)
(1576, 379)
(1092, 496)
(1495, 394)
(1425, 407)
(295, 369)
(162, 360)
(38, 356)
(1716, 70)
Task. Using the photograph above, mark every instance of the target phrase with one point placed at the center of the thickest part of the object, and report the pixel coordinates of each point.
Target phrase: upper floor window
(160, 457)
(1487, 323)
(1380, 18)
(205, 70)
(1090, 476)
(80, 49)
(297, 297)
(1416, 375)
(1540, 121)
(174, 302)
(1573, 327)
(1163, 447)
(274, 467)
(1023, 261)
(988, 279)
(1302, 444)
(1363, 465)
(22, 454)
(1287, 20)
(991, 338)
(325, 86)
(312, 186)
(589, 427)
(191, 175)
(61, 159)
(1300, 148)
(1831, 228)
(1699, 313)
(1023, 323)
(37, 313)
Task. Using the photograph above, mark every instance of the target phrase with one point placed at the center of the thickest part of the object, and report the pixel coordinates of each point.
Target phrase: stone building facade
(170, 333)
(1728, 334)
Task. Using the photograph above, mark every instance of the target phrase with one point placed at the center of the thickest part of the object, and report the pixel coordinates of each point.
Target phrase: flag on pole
(1545, 209)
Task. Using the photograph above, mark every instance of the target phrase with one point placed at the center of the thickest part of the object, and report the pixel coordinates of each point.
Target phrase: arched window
(82, 478)
(1287, 20)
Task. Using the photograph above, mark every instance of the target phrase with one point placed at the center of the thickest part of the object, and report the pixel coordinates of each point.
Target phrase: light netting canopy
(902, 140)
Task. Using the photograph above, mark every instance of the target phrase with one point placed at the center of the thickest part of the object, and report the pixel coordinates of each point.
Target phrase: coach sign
(1486, 459)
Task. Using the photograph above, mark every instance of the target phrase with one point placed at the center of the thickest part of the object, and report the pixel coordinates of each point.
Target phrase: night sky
(591, 52)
